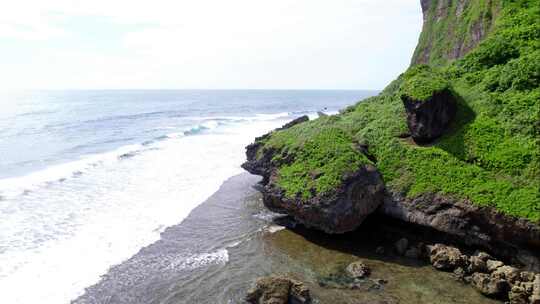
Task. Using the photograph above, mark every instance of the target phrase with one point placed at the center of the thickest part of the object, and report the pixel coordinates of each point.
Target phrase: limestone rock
(507, 273)
(518, 295)
(445, 257)
(358, 270)
(492, 265)
(488, 286)
(477, 264)
(278, 290)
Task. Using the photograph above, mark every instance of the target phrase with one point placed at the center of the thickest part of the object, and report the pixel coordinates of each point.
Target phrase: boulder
(428, 119)
(358, 270)
(401, 246)
(444, 257)
(489, 286)
(278, 290)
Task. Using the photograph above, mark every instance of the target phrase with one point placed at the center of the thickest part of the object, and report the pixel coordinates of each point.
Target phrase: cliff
(456, 141)
(452, 28)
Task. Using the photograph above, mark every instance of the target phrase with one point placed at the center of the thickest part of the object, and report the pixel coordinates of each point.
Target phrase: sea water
(88, 178)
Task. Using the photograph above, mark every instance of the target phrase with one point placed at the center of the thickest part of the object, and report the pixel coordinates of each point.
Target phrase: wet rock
(358, 270)
(507, 273)
(445, 257)
(518, 295)
(427, 120)
(401, 246)
(488, 286)
(492, 265)
(278, 290)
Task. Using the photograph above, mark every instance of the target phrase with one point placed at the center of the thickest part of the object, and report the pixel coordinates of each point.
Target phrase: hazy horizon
(240, 44)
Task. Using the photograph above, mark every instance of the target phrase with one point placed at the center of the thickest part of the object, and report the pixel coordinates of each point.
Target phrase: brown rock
(535, 298)
(518, 295)
(527, 276)
(445, 257)
(488, 286)
(278, 290)
(507, 273)
(477, 264)
(492, 265)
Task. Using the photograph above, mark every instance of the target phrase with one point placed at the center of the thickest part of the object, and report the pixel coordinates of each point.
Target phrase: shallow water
(215, 255)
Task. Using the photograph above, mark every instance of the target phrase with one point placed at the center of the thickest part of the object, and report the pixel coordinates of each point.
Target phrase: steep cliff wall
(452, 28)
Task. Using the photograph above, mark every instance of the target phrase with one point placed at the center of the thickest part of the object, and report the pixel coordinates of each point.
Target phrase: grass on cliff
(489, 156)
(420, 83)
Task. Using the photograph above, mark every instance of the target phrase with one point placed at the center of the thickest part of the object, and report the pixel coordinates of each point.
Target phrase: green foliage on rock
(421, 82)
(490, 156)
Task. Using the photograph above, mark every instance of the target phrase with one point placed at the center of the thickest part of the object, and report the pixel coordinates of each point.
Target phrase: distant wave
(11, 187)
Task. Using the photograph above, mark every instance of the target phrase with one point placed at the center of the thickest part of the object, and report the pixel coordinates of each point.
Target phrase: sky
(206, 44)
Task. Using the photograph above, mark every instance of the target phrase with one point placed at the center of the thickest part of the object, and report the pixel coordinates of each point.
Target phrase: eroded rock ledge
(513, 238)
(362, 192)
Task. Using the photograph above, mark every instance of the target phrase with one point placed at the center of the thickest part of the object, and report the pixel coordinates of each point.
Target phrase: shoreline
(236, 241)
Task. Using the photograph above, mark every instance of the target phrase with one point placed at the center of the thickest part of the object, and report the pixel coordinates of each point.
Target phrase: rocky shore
(449, 146)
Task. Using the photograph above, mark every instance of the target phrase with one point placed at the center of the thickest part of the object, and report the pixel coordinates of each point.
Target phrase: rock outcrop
(341, 210)
(358, 196)
(513, 238)
(428, 119)
(490, 277)
(278, 290)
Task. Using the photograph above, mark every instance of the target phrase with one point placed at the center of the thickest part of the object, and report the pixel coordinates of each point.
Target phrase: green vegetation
(421, 82)
(452, 30)
(490, 155)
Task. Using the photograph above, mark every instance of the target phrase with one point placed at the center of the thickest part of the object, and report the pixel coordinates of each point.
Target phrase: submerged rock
(358, 270)
(278, 290)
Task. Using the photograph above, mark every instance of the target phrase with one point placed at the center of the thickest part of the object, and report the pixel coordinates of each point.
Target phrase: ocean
(89, 178)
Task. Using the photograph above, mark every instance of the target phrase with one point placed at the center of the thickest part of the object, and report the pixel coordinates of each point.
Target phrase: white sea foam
(200, 260)
(62, 236)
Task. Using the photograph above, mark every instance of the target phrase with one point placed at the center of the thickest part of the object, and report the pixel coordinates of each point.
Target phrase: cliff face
(452, 28)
